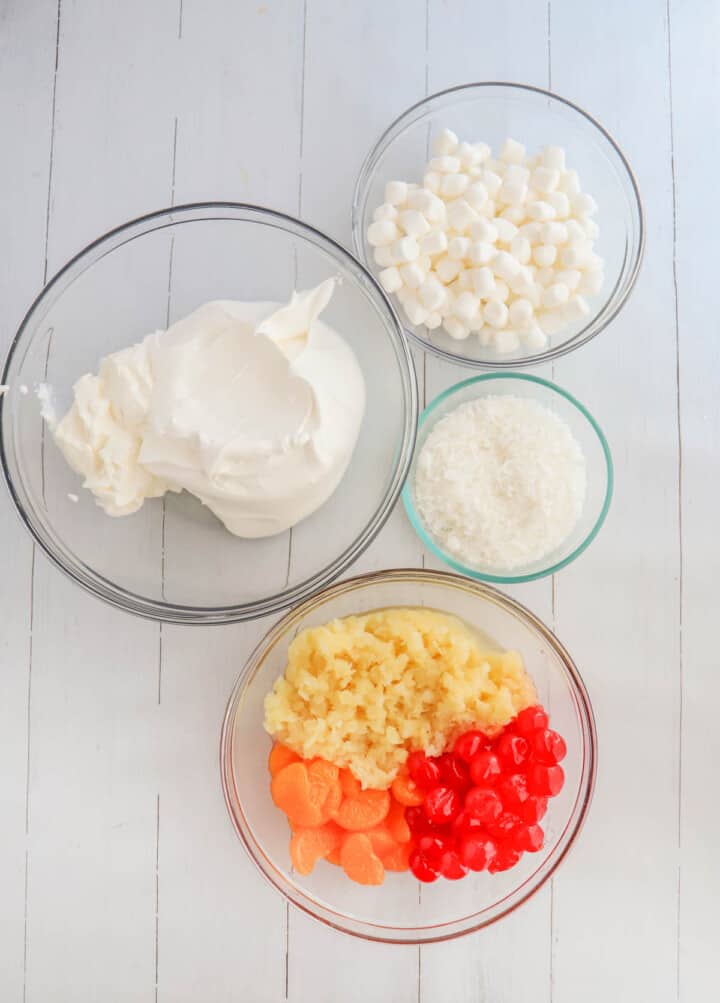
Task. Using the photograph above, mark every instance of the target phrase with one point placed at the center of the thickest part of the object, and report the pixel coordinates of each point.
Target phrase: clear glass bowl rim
(165, 612)
(452, 930)
(482, 576)
(583, 336)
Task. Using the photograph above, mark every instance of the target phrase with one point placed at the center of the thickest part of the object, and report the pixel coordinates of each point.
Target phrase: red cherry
(548, 747)
(504, 826)
(505, 858)
(451, 866)
(442, 805)
(421, 867)
(454, 772)
(483, 804)
(476, 852)
(469, 744)
(466, 825)
(545, 780)
(513, 791)
(529, 720)
(433, 846)
(513, 750)
(417, 821)
(532, 810)
(484, 768)
(530, 838)
(425, 772)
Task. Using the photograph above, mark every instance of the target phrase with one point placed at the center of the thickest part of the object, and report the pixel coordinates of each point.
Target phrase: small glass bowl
(173, 560)
(492, 112)
(587, 432)
(402, 911)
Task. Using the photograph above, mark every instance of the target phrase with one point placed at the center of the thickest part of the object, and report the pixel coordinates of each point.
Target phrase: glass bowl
(491, 112)
(173, 560)
(587, 432)
(401, 910)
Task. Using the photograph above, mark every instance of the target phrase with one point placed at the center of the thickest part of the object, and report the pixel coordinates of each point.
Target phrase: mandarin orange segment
(351, 786)
(360, 862)
(381, 841)
(307, 846)
(397, 823)
(368, 809)
(397, 859)
(406, 791)
(293, 793)
(280, 757)
(326, 776)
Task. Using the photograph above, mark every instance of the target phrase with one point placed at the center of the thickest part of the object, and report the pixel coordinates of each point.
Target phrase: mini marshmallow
(554, 233)
(431, 181)
(552, 321)
(512, 152)
(584, 205)
(432, 293)
(535, 337)
(405, 249)
(455, 328)
(403, 294)
(425, 262)
(505, 265)
(477, 195)
(415, 311)
(476, 322)
(570, 183)
(576, 230)
(500, 292)
(534, 293)
(496, 313)
(382, 232)
(555, 295)
(514, 214)
(545, 179)
(385, 211)
(545, 255)
(483, 151)
(459, 248)
(448, 307)
(463, 283)
(413, 275)
(486, 335)
(445, 143)
(480, 252)
(592, 230)
(560, 203)
(421, 199)
(413, 223)
(435, 242)
(396, 192)
(445, 165)
(513, 192)
(506, 231)
(593, 262)
(469, 154)
(453, 185)
(489, 210)
(492, 181)
(520, 249)
(553, 157)
(521, 313)
(384, 257)
(545, 276)
(531, 231)
(575, 254)
(460, 215)
(523, 283)
(483, 281)
(390, 279)
(540, 210)
(506, 341)
(570, 277)
(447, 269)
(433, 321)
(484, 231)
(466, 306)
(517, 173)
(591, 283)
(576, 308)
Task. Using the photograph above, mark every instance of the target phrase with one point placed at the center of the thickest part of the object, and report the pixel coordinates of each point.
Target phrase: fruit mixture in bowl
(403, 741)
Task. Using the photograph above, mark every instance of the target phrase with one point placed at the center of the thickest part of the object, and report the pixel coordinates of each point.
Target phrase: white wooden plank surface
(185, 100)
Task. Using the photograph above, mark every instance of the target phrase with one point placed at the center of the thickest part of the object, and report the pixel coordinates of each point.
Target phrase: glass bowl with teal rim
(586, 431)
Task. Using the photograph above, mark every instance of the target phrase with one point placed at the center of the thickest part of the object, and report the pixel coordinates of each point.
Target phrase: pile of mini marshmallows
(502, 248)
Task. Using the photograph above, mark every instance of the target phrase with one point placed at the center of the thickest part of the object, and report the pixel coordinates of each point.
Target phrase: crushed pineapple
(364, 691)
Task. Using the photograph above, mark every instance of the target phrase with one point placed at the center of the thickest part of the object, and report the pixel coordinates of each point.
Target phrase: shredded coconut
(500, 482)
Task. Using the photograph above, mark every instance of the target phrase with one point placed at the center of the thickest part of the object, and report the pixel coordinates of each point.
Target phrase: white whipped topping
(255, 410)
